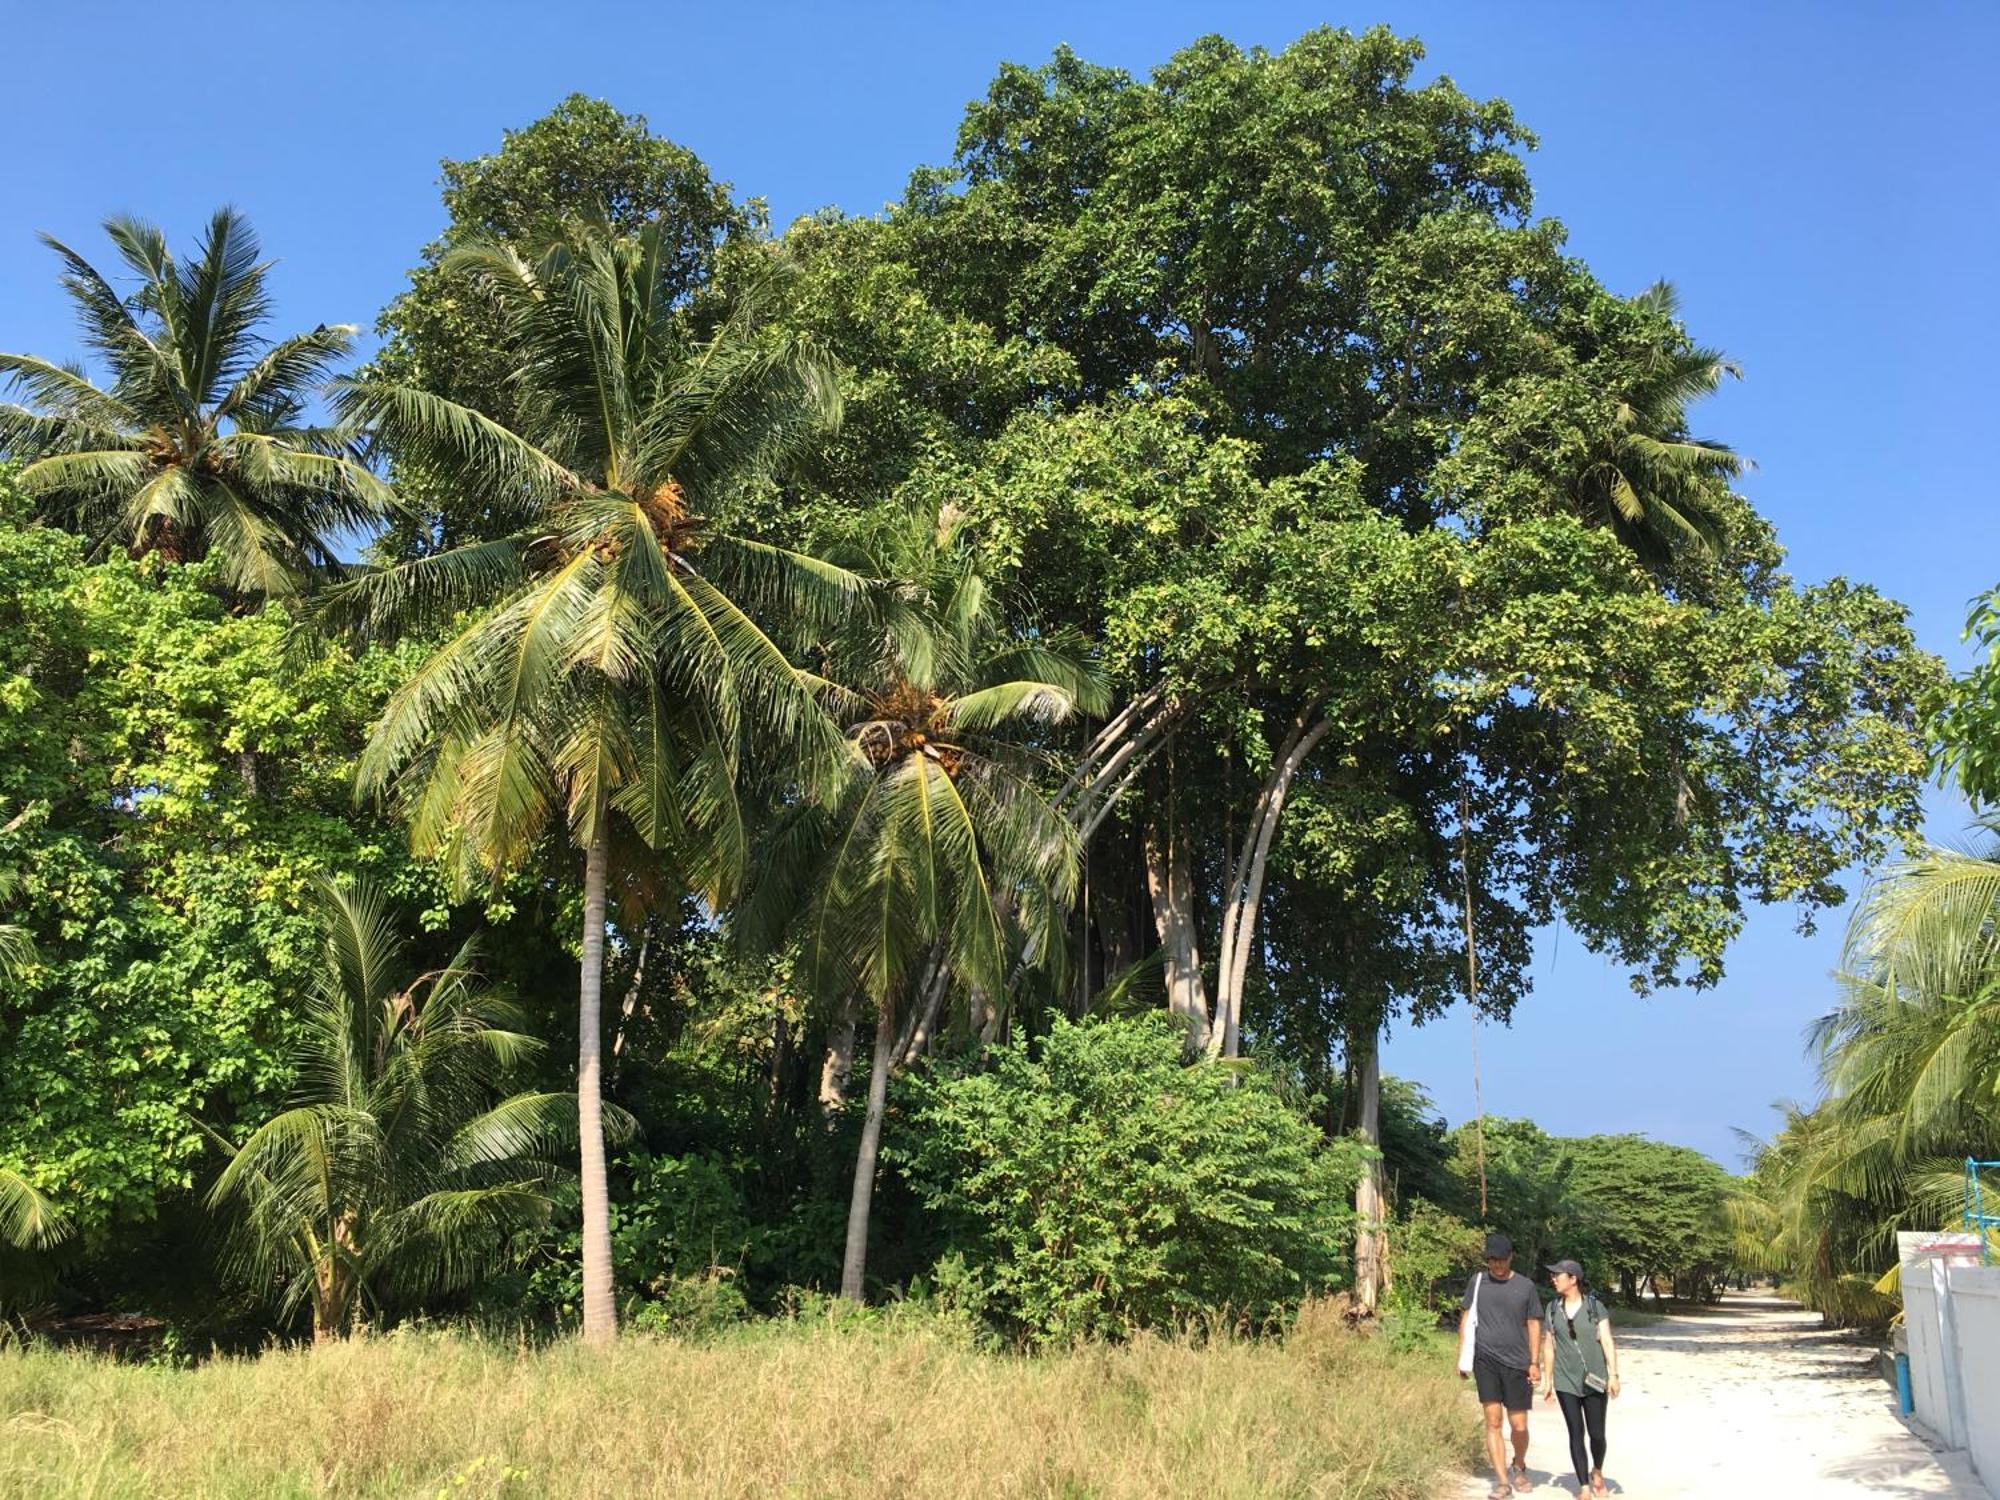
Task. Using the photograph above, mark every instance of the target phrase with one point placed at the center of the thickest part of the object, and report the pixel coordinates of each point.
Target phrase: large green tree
(201, 443)
(605, 677)
(1320, 473)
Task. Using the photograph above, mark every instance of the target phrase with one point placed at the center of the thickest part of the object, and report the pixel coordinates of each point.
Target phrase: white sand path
(1749, 1399)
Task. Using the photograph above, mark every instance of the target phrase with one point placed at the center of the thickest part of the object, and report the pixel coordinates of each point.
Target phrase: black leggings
(1577, 1411)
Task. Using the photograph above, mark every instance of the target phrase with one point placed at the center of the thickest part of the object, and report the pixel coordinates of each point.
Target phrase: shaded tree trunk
(838, 1065)
(1371, 1241)
(600, 1313)
(1170, 882)
(630, 1005)
(854, 1265)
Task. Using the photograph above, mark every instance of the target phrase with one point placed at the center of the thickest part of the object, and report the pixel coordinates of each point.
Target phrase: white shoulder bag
(1469, 1334)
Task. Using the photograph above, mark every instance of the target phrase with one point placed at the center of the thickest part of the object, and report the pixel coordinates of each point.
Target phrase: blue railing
(1976, 1218)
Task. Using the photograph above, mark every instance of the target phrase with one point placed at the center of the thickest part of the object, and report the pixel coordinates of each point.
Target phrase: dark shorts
(1502, 1383)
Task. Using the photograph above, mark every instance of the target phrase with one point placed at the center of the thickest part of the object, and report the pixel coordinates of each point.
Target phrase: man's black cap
(1499, 1247)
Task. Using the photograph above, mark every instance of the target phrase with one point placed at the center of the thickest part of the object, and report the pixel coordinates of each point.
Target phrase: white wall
(1951, 1321)
(1975, 1290)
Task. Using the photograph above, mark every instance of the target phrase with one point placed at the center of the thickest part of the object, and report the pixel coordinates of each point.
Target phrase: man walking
(1505, 1316)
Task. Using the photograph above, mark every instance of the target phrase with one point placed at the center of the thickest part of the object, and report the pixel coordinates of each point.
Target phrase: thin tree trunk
(781, 1049)
(600, 1312)
(854, 1266)
(838, 1065)
(1370, 1241)
(631, 1001)
(1239, 914)
(924, 1016)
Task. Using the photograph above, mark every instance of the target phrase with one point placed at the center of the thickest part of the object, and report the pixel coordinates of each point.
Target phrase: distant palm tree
(401, 1166)
(611, 668)
(913, 874)
(1661, 490)
(198, 447)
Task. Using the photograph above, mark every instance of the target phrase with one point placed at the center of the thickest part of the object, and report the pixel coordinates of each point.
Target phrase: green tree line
(1204, 575)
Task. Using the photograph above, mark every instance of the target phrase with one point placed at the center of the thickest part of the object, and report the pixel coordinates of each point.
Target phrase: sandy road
(1754, 1399)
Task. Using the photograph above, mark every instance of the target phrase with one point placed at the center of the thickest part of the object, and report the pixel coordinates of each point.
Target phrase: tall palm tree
(612, 668)
(1663, 491)
(198, 447)
(913, 876)
(400, 1166)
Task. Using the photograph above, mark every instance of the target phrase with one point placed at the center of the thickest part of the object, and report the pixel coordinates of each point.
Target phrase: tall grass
(790, 1410)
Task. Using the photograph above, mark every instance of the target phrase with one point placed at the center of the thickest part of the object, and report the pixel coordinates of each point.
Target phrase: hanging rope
(1472, 978)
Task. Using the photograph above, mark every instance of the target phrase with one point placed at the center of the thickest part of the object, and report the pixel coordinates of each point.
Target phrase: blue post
(1905, 1402)
(1976, 1217)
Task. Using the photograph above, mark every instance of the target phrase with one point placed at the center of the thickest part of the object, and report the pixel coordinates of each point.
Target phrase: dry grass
(791, 1410)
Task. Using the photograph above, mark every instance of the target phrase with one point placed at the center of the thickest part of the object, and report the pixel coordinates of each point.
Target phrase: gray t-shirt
(1505, 1310)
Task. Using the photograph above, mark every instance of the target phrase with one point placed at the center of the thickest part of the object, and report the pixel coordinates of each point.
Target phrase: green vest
(1581, 1354)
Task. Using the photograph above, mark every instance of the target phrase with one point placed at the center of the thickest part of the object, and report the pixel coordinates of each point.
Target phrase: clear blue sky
(1816, 178)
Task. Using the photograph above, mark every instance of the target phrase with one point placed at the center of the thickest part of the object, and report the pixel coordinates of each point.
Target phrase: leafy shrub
(1097, 1185)
(692, 1306)
(1431, 1255)
(678, 1219)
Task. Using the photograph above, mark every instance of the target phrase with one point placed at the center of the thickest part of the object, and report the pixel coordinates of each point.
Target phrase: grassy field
(789, 1410)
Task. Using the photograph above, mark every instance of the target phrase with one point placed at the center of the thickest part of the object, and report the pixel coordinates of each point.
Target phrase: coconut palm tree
(28, 1219)
(198, 447)
(1911, 1056)
(1910, 1066)
(401, 1165)
(912, 878)
(611, 668)
(1661, 490)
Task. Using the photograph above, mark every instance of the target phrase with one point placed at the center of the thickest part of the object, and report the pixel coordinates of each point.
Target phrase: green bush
(1431, 1256)
(692, 1306)
(678, 1220)
(1096, 1185)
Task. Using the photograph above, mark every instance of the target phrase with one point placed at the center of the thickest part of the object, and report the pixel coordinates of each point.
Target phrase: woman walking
(1580, 1369)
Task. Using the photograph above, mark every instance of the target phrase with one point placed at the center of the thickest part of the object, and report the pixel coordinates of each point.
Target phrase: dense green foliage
(1968, 717)
(171, 784)
(1108, 1188)
(1208, 549)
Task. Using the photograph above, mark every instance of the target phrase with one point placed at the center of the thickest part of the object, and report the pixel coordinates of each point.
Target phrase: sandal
(1597, 1485)
(1500, 1491)
(1522, 1483)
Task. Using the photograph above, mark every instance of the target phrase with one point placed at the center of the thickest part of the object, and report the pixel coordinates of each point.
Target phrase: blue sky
(1813, 177)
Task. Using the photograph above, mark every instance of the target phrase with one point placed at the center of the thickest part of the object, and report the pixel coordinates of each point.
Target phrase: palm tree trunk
(855, 1265)
(600, 1313)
